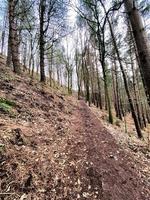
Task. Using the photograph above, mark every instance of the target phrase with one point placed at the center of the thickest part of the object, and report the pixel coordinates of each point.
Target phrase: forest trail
(103, 170)
(52, 147)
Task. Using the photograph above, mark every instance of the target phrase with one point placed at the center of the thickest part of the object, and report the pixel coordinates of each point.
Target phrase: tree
(141, 40)
(134, 115)
(69, 68)
(5, 23)
(91, 13)
(13, 42)
(41, 39)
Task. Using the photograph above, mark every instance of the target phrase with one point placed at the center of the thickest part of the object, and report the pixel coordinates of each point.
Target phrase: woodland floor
(53, 147)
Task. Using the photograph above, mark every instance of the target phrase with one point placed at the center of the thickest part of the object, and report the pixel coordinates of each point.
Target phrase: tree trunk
(25, 56)
(4, 31)
(86, 83)
(136, 122)
(68, 80)
(9, 55)
(78, 80)
(101, 48)
(139, 64)
(99, 98)
(33, 65)
(136, 95)
(141, 40)
(42, 42)
(13, 37)
(117, 91)
(107, 97)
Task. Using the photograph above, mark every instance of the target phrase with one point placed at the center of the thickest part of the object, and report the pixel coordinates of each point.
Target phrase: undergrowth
(6, 105)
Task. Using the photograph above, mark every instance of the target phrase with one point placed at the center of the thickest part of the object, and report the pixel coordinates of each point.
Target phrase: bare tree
(141, 40)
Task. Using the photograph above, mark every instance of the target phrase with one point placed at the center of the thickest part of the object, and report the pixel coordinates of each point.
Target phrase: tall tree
(13, 41)
(41, 39)
(141, 40)
(134, 115)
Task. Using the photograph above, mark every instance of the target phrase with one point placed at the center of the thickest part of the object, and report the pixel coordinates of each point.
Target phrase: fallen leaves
(53, 149)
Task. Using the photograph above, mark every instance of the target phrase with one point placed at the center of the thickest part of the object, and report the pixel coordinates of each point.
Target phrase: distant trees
(68, 70)
(19, 23)
(4, 29)
(90, 11)
(29, 30)
(133, 111)
(100, 23)
(51, 17)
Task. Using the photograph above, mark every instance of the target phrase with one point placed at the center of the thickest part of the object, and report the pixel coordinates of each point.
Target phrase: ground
(55, 147)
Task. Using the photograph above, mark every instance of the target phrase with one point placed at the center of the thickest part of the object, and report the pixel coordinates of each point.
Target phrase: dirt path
(65, 153)
(98, 168)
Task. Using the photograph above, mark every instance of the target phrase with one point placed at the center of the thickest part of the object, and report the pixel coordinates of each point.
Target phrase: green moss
(6, 105)
(7, 101)
(2, 148)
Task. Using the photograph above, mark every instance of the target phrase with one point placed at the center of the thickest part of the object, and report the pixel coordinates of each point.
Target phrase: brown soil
(104, 169)
(52, 147)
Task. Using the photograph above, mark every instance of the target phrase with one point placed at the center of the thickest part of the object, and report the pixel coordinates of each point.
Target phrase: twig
(7, 193)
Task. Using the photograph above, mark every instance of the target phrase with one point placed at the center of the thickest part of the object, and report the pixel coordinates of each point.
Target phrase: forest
(74, 99)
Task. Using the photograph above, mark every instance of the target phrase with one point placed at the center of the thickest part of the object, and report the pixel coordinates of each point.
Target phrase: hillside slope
(53, 147)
